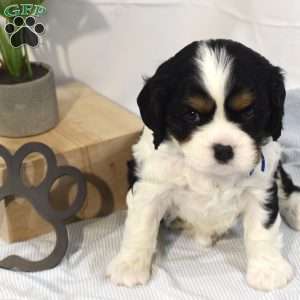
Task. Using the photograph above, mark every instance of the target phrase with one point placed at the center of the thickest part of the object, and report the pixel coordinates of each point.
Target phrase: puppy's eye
(192, 117)
(248, 113)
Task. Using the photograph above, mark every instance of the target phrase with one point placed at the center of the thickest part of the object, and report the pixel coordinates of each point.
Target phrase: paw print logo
(39, 198)
(24, 31)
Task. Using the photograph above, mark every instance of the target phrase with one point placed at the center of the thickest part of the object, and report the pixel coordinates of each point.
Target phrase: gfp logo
(24, 30)
(15, 10)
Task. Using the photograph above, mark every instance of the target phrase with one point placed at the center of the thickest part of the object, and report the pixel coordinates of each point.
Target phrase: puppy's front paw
(267, 273)
(129, 271)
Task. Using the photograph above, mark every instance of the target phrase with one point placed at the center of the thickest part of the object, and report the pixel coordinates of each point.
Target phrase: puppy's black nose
(223, 153)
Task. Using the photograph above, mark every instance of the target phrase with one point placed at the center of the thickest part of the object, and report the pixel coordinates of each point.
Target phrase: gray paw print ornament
(39, 198)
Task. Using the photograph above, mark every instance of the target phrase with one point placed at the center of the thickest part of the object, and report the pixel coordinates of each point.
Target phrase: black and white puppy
(207, 155)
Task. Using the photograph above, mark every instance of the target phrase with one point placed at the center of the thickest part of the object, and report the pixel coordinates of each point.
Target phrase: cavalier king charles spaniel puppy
(208, 155)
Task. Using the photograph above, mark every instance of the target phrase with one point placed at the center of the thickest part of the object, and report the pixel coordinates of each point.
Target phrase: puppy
(207, 155)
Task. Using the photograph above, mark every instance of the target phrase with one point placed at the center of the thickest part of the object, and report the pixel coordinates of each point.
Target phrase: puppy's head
(219, 101)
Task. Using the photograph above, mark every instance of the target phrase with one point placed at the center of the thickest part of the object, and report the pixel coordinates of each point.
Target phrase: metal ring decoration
(39, 198)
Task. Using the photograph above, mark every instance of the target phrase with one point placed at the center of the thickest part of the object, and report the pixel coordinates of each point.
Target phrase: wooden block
(94, 135)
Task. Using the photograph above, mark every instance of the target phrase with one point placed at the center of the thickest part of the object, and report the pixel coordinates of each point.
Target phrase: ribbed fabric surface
(181, 270)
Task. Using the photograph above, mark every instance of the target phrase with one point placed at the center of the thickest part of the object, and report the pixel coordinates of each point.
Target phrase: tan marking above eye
(241, 101)
(202, 105)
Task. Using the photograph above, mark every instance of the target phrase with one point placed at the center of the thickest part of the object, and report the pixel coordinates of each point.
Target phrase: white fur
(215, 71)
(289, 206)
(290, 209)
(199, 154)
(186, 181)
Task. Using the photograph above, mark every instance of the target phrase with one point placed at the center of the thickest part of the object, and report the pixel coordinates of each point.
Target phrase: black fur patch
(131, 173)
(287, 183)
(272, 205)
(166, 89)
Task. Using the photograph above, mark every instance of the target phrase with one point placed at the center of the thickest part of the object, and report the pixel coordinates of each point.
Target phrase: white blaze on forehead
(215, 69)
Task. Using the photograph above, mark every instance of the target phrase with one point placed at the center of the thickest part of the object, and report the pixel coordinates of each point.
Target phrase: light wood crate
(94, 135)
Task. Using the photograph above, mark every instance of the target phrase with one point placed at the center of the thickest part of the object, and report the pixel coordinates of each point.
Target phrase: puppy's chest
(207, 202)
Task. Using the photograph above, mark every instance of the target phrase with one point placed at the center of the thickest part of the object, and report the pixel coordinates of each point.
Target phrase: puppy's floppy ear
(277, 97)
(152, 102)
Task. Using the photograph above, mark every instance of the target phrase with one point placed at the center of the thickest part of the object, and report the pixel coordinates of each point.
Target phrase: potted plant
(28, 103)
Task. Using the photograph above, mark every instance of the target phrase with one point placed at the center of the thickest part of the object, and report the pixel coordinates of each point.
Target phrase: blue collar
(263, 164)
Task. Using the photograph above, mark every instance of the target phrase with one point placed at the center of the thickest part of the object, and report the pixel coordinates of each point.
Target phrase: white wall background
(110, 44)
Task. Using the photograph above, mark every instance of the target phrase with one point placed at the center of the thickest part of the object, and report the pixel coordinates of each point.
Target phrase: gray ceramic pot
(28, 108)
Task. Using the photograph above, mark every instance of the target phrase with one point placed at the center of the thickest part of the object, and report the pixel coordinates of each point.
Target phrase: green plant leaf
(12, 58)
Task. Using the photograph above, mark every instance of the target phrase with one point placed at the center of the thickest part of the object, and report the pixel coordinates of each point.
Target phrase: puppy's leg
(146, 207)
(267, 269)
(289, 199)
